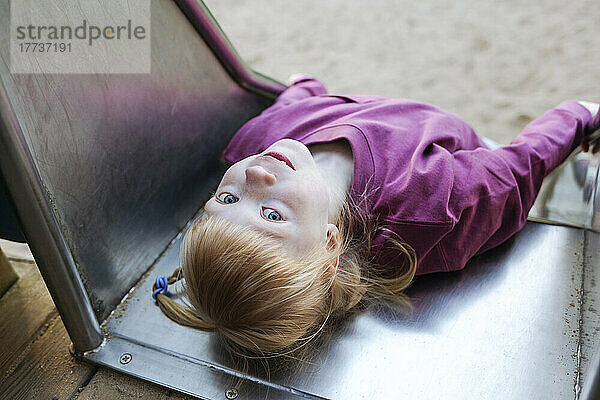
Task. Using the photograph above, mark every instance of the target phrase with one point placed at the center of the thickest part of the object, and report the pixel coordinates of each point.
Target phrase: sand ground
(498, 64)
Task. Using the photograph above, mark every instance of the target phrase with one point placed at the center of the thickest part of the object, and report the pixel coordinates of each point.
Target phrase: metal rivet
(125, 358)
(231, 394)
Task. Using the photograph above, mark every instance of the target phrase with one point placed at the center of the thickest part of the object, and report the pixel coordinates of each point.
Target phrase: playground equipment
(104, 172)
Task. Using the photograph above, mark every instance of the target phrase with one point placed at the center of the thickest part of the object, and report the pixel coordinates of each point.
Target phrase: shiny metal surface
(506, 327)
(45, 239)
(201, 18)
(570, 194)
(592, 389)
(117, 163)
(107, 169)
(588, 354)
(186, 374)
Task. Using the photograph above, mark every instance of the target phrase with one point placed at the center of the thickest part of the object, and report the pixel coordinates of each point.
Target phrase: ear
(333, 242)
(333, 237)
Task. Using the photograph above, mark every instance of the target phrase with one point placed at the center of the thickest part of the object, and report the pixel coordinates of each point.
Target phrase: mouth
(280, 157)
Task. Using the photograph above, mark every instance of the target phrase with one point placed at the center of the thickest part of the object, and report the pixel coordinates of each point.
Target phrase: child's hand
(591, 141)
(592, 138)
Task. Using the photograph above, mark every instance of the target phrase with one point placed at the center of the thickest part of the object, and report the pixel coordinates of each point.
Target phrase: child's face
(289, 202)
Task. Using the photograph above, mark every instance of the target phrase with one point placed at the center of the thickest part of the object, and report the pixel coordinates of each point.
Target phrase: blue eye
(227, 198)
(271, 215)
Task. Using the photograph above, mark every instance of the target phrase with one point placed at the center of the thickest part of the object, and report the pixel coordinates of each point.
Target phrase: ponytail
(175, 311)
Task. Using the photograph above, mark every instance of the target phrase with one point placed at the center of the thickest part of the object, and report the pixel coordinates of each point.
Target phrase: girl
(330, 200)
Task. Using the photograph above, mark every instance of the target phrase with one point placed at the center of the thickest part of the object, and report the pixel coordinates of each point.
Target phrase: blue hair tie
(162, 283)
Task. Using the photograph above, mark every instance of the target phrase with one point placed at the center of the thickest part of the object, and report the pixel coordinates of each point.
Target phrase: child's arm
(493, 190)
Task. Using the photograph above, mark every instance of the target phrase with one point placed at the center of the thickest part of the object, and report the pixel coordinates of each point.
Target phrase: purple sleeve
(493, 190)
(301, 89)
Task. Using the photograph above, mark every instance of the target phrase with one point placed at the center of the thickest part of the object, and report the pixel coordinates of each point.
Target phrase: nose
(258, 175)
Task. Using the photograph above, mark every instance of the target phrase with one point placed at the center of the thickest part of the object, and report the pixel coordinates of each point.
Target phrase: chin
(297, 152)
(291, 144)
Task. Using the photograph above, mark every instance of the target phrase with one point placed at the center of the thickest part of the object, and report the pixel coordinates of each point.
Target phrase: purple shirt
(428, 176)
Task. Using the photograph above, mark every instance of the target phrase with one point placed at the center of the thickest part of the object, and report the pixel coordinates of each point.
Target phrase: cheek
(235, 173)
(312, 193)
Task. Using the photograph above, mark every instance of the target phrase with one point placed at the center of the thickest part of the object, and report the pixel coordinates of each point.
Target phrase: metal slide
(106, 170)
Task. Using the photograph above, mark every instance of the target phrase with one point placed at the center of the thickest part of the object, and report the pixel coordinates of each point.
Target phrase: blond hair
(241, 284)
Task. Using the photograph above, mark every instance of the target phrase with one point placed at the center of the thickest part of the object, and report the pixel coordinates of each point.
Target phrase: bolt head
(231, 394)
(125, 358)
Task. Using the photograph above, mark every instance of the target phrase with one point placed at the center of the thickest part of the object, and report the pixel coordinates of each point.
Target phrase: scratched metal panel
(519, 322)
(570, 194)
(126, 160)
(506, 327)
(588, 354)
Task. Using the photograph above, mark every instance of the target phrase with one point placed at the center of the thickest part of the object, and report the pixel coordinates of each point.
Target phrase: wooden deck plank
(109, 384)
(23, 310)
(44, 368)
(34, 351)
(8, 276)
(16, 250)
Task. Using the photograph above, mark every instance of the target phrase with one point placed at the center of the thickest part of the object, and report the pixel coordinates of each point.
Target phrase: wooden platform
(35, 362)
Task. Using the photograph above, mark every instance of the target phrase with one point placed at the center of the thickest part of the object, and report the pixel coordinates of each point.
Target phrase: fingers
(584, 147)
(591, 141)
(594, 145)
